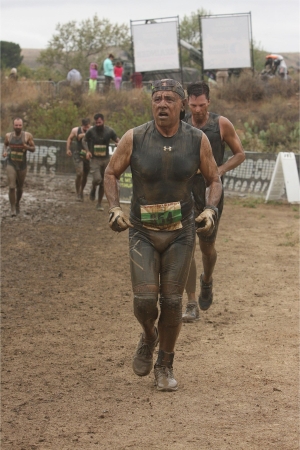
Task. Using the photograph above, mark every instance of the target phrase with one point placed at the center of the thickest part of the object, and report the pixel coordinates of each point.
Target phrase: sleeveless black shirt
(212, 131)
(16, 144)
(163, 168)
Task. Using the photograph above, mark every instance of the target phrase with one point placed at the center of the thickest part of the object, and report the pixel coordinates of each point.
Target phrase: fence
(52, 89)
(251, 178)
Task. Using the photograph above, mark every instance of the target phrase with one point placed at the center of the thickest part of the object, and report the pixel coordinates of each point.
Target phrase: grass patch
(290, 240)
(252, 202)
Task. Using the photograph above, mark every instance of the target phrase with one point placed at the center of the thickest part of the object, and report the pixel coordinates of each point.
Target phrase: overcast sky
(31, 23)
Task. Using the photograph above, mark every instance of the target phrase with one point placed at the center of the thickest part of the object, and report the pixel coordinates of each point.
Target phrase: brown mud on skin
(69, 334)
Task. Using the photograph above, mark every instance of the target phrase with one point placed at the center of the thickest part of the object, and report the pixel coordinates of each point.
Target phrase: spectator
(74, 78)
(222, 77)
(137, 80)
(118, 72)
(108, 69)
(93, 77)
(13, 74)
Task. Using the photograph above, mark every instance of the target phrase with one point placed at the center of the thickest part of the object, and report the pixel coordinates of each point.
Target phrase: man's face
(99, 123)
(166, 107)
(18, 125)
(198, 106)
(85, 128)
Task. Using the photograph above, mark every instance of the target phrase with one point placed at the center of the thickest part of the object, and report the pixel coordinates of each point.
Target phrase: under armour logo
(167, 148)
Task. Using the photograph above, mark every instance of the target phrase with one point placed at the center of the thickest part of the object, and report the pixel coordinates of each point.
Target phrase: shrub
(54, 121)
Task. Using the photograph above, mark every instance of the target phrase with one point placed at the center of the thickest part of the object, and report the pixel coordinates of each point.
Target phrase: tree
(10, 54)
(190, 32)
(73, 44)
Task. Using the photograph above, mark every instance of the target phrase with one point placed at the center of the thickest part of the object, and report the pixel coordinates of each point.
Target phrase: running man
(219, 131)
(96, 143)
(81, 163)
(164, 156)
(16, 145)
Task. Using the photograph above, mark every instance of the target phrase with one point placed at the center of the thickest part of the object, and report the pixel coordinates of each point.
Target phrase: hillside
(31, 54)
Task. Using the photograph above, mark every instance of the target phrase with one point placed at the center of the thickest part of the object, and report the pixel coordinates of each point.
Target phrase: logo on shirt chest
(167, 149)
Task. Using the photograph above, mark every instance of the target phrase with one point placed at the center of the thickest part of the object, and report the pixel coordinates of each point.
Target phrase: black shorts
(161, 259)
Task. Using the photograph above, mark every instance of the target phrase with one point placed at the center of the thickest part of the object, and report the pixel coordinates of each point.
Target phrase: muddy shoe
(17, 209)
(80, 198)
(143, 358)
(206, 294)
(93, 194)
(163, 372)
(191, 313)
(13, 212)
(164, 379)
(99, 207)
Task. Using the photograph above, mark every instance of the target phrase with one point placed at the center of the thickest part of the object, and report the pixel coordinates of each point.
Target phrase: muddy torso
(16, 155)
(163, 168)
(212, 131)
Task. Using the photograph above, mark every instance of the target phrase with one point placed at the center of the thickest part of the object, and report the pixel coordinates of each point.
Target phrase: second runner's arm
(69, 141)
(231, 138)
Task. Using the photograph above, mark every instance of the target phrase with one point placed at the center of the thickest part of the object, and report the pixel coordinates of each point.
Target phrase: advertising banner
(251, 178)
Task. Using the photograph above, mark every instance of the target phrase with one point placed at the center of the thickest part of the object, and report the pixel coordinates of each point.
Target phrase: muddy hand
(118, 220)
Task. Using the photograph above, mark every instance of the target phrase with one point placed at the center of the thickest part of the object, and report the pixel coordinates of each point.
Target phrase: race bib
(16, 156)
(99, 150)
(165, 216)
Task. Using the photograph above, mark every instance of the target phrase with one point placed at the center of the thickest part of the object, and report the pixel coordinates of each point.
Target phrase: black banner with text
(252, 177)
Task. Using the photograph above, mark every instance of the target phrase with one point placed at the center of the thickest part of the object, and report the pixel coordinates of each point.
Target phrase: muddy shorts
(199, 189)
(97, 169)
(15, 178)
(161, 259)
(82, 166)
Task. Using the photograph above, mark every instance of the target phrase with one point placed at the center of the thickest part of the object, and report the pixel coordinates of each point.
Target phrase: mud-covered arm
(86, 142)
(229, 135)
(5, 146)
(72, 135)
(119, 162)
(209, 170)
(29, 145)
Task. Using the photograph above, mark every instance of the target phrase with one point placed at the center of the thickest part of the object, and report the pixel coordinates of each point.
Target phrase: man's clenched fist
(117, 219)
(207, 221)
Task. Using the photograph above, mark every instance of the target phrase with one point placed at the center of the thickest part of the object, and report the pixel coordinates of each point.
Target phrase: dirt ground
(68, 336)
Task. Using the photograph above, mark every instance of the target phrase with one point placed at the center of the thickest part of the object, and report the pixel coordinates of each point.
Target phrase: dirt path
(68, 336)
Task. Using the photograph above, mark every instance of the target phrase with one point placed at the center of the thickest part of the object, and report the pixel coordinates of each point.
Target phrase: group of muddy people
(177, 168)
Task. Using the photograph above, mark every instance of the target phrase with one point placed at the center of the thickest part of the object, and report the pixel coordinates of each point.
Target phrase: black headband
(168, 85)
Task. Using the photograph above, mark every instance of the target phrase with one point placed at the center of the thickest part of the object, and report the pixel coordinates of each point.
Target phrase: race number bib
(16, 156)
(99, 150)
(164, 216)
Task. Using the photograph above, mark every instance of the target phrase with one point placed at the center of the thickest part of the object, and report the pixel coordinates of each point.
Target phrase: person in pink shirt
(118, 72)
(93, 77)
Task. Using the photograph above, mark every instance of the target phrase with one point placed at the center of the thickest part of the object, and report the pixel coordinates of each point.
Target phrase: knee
(145, 307)
(171, 310)
(207, 248)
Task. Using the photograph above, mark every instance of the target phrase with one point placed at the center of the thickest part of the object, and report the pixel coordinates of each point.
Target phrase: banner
(251, 178)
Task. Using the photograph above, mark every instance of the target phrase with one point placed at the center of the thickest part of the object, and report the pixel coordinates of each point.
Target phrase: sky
(31, 23)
